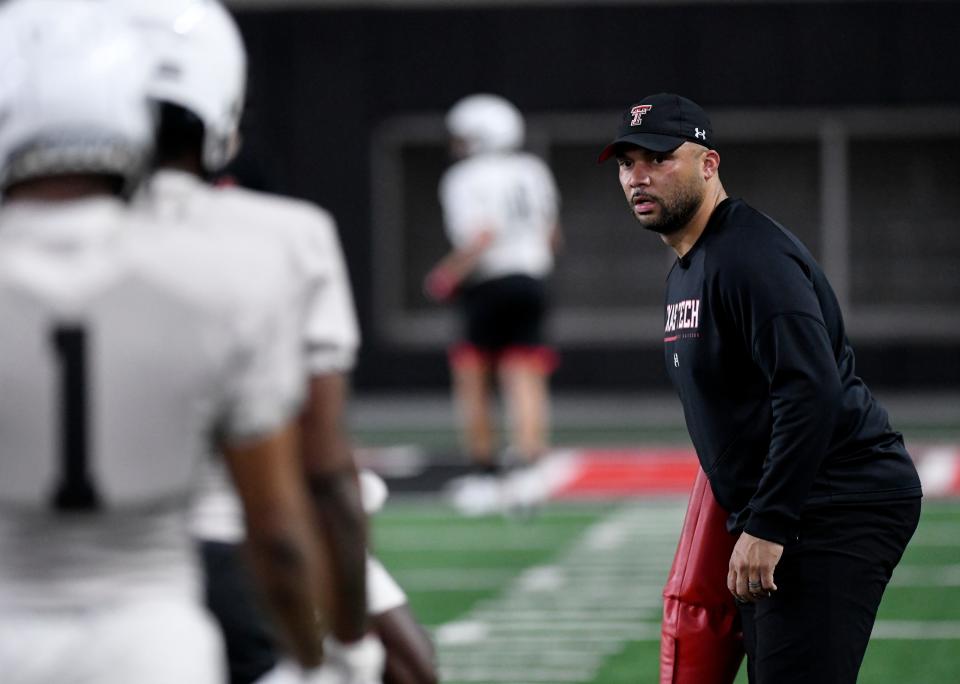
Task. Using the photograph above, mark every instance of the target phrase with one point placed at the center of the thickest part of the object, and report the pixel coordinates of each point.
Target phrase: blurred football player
(124, 350)
(500, 208)
(200, 86)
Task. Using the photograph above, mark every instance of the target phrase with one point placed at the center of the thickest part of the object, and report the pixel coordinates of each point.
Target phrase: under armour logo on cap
(697, 133)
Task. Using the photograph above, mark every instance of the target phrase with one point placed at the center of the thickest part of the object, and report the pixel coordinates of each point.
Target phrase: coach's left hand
(750, 577)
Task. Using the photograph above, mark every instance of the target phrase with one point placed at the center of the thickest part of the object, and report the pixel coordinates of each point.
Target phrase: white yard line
(444, 579)
(485, 540)
(936, 533)
(559, 622)
(926, 576)
(915, 630)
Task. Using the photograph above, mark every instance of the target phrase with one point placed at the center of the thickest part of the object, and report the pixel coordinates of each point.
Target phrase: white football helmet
(73, 92)
(201, 66)
(486, 123)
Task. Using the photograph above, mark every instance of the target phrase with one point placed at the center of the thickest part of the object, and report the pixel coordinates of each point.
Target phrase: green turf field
(572, 595)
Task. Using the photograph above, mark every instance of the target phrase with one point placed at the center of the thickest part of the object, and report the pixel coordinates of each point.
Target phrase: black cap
(661, 123)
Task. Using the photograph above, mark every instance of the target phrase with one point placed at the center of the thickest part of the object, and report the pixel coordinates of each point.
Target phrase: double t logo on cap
(638, 113)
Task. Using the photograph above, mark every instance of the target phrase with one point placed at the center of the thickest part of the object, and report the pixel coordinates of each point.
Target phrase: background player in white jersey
(500, 209)
(124, 350)
(200, 86)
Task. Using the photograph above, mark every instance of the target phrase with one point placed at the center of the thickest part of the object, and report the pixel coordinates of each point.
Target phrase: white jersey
(307, 233)
(512, 194)
(308, 236)
(123, 351)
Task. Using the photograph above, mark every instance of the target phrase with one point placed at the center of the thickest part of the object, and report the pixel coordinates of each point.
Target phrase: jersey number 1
(75, 491)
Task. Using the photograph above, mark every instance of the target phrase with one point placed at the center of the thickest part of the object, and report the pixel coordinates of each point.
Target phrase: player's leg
(478, 493)
(470, 371)
(523, 381)
(471, 368)
(701, 641)
(524, 364)
(523, 376)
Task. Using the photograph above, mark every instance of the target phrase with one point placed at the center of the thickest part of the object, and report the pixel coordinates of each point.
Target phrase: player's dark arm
(410, 654)
(280, 535)
(335, 494)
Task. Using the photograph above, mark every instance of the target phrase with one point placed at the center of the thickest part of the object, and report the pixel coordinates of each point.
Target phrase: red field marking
(599, 473)
(955, 485)
(625, 472)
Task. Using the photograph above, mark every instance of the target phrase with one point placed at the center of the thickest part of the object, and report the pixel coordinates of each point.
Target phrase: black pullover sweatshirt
(754, 343)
